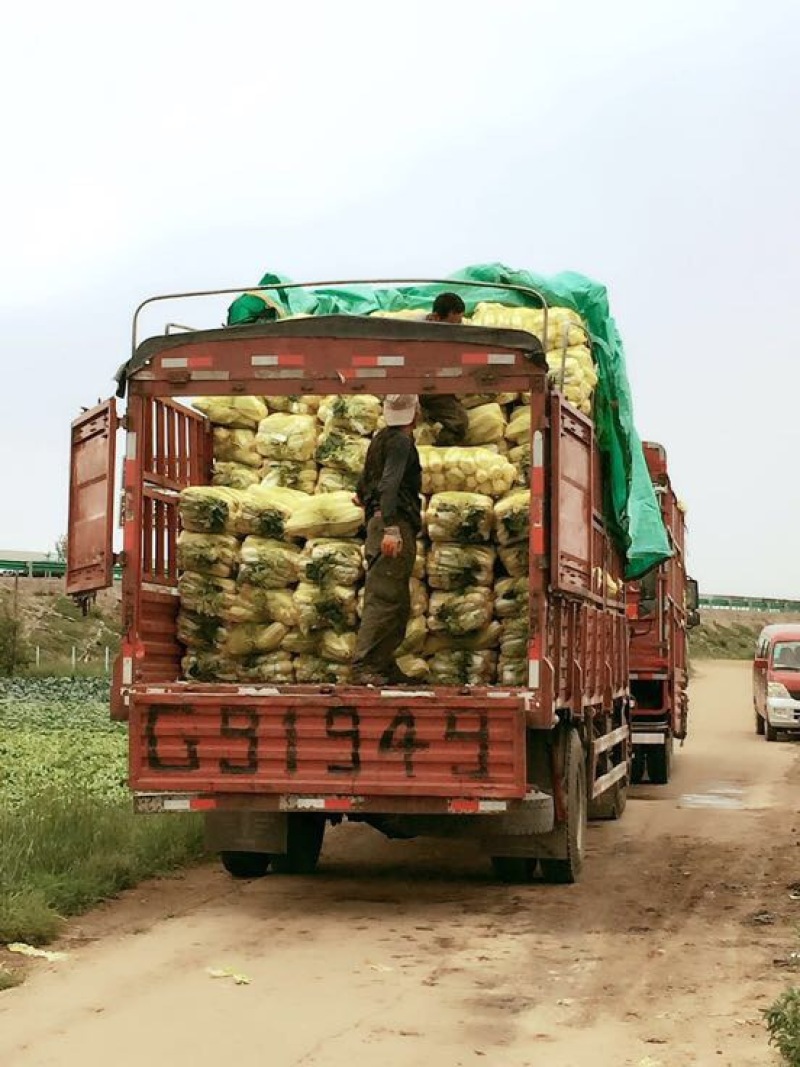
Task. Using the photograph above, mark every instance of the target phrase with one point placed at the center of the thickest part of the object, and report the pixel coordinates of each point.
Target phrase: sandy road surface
(405, 954)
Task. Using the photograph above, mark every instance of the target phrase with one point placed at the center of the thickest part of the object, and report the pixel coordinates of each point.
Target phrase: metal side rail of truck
(662, 607)
(519, 769)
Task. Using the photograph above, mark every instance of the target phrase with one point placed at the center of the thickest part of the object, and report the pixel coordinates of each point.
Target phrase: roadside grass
(782, 1019)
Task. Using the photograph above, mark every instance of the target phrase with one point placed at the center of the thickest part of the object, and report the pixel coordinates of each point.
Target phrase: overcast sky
(655, 146)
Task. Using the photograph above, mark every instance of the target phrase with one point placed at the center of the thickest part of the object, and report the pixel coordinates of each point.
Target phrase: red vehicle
(661, 607)
(518, 769)
(776, 680)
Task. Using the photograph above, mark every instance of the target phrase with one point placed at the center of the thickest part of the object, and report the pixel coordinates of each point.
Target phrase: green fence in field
(39, 568)
(765, 605)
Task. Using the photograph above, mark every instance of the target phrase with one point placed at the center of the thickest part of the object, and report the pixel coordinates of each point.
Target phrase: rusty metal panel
(90, 551)
(229, 739)
(572, 505)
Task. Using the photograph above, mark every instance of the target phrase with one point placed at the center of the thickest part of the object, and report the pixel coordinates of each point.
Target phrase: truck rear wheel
(759, 724)
(513, 870)
(770, 731)
(659, 762)
(568, 870)
(612, 803)
(304, 835)
(637, 766)
(245, 864)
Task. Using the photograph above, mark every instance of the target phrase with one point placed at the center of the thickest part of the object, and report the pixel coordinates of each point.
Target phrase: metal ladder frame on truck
(558, 746)
(662, 607)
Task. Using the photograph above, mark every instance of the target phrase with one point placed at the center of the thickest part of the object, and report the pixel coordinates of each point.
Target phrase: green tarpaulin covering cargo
(631, 508)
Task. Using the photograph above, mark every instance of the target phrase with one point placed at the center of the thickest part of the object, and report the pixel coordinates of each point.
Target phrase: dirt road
(405, 953)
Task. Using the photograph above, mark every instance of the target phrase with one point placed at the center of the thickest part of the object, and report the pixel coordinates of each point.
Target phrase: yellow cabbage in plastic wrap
(252, 638)
(337, 647)
(326, 515)
(520, 456)
(209, 553)
(266, 510)
(287, 437)
(419, 597)
(408, 314)
(288, 475)
(474, 400)
(512, 521)
(234, 475)
(414, 640)
(236, 446)
(466, 518)
(311, 670)
(460, 613)
(511, 598)
(210, 508)
(333, 481)
(514, 639)
(300, 644)
(519, 426)
(329, 607)
(462, 667)
(239, 412)
(413, 666)
(268, 563)
(472, 470)
(351, 414)
(512, 672)
(561, 322)
(453, 566)
(420, 561)
(253, 603)
(331, 562)
(206, 594)
(515, 558)
(198, 631)
(344, 452)
(486, 424)
(573, 370)
(201, 666)
(294, 405)
(276, 668)
(487, 637)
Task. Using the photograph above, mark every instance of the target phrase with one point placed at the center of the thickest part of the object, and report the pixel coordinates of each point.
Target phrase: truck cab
(776, 681)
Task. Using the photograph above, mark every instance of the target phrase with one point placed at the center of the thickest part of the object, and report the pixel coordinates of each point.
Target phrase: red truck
(661, 607)
(517, 769)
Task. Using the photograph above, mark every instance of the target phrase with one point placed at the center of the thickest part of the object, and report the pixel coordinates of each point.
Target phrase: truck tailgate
(217, 739)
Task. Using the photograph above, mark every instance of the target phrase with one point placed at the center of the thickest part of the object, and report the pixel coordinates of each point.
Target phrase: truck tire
(659, 763)
(770, 732)
(304, 834)
(637, 766)
(759, 724)
(513, 870)
(568, 870)
(611, 804)
(245, 864)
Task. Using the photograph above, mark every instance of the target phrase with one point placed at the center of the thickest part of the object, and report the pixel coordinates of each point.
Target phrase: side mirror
(692, 620)
(692, 595)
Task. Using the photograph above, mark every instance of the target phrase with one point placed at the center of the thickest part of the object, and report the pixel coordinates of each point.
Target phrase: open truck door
(90, 531)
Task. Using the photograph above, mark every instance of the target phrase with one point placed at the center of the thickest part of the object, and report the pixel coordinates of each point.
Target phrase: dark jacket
(392, 478)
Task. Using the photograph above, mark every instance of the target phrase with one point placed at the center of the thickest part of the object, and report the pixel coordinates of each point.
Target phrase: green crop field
(68, 836)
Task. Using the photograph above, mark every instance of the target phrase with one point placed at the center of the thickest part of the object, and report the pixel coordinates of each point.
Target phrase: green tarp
(631, 507)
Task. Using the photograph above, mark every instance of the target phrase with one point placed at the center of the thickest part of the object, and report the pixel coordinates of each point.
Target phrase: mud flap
(245, 831)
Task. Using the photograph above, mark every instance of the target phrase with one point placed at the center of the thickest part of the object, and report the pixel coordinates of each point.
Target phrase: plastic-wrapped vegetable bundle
(420, 561)
(453, 566)
(310, 669)
(238, 412)
(210, 509)
(520, 456)
(268, 563)
(512, 517)
(205, 594)
(266, 511)
(414, 640)
(234, 475)
(208, 553)
(475, 400)
(287, 437)
(485, 638)
(460, 613)
(515, 558)
(202, 666)
(462, 667)
(413, 666)
(562, 323)
(331, 562)
(276, 668)
(519, 426)
(288, 475)
(511, 598)
(198, 631)
(333, 481)
(351, 414)
(479, 470)
(486, 424)
(253, 603)
(236, 446)
(294, 405)
(326, 515)
(419, 597)
(465, 518)
(251, 638)
(300, 644)
(514, 638)
(344, 452)
(574, 369)
(337, 647)
(329, 607)
(512, 672)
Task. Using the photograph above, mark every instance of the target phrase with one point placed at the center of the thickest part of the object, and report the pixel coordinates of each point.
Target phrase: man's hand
(392, 543)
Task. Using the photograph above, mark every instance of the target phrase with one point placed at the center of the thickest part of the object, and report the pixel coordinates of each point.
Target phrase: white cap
(399, 409)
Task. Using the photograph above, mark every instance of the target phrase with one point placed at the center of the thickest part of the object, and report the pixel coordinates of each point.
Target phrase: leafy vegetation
(68, 836)
(783, 1023)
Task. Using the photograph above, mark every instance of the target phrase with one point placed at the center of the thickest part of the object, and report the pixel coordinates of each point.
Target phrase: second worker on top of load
(444, 409)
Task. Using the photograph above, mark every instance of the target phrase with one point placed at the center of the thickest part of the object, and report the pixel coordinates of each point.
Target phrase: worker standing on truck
(389, 491)
(445, 409)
